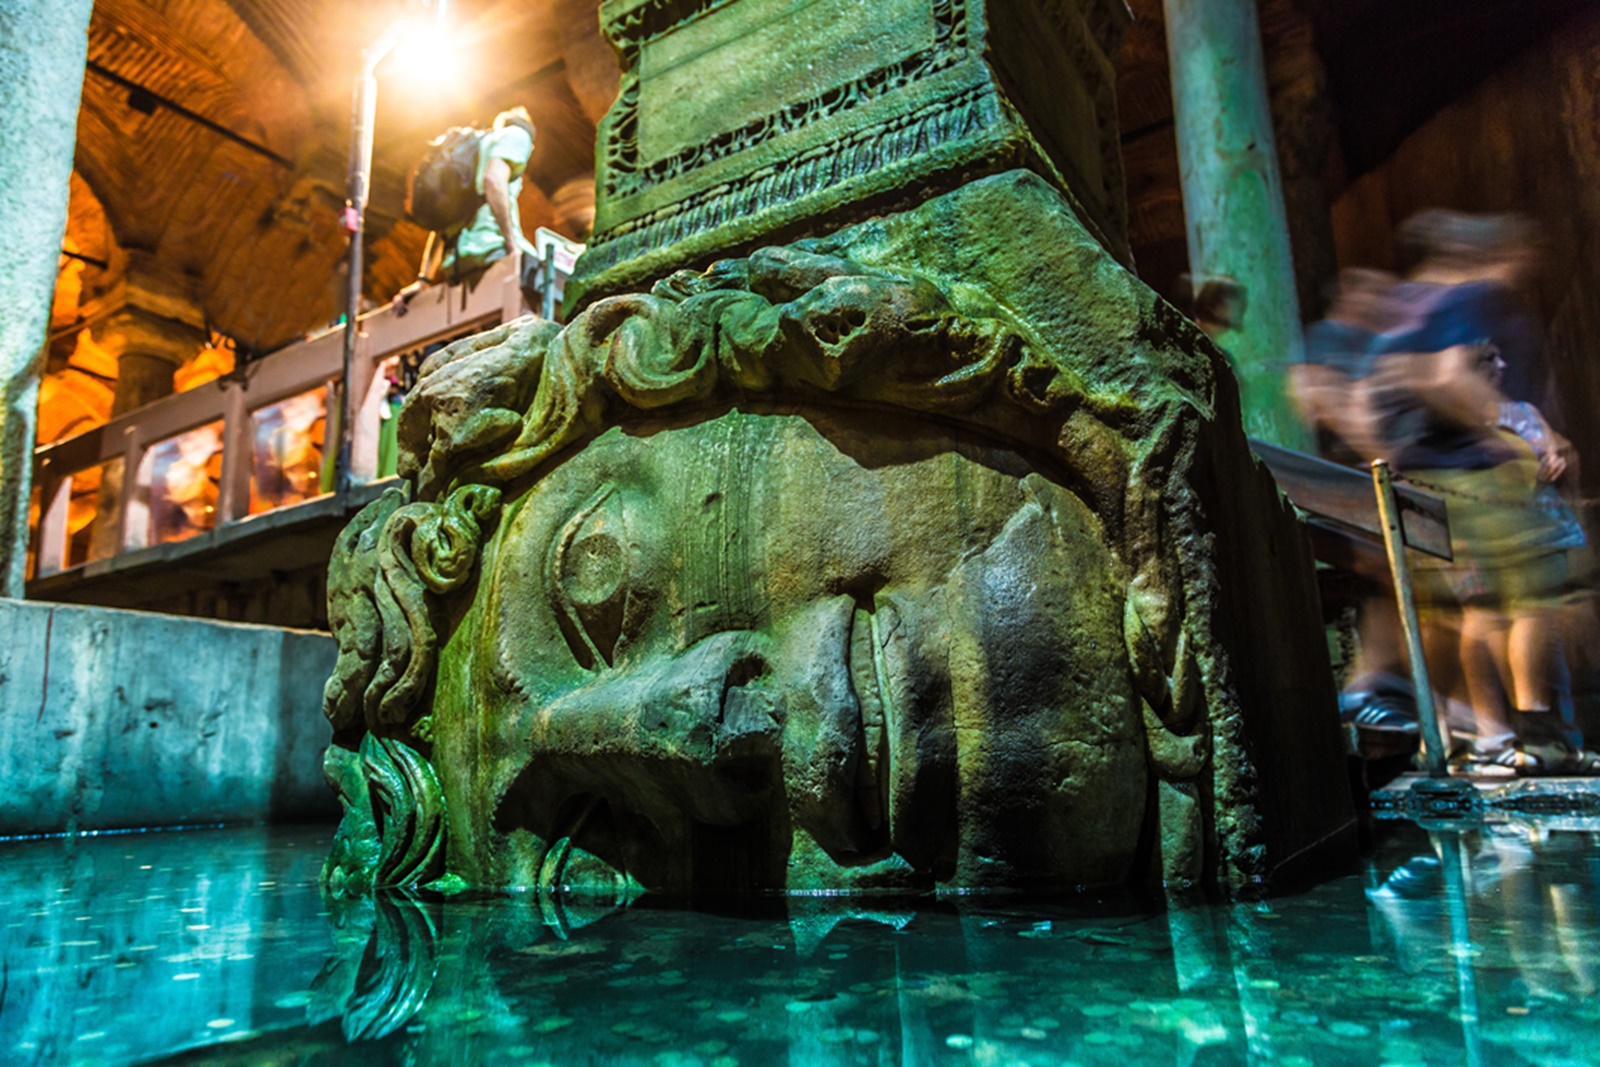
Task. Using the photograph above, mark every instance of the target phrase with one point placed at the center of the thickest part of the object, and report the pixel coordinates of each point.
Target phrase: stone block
(121, 719)
(758, 121)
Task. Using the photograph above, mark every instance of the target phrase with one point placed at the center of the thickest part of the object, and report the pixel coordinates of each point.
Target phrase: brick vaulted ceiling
(214, 133)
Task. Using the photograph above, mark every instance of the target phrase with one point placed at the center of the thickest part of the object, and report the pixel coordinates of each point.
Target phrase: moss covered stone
(911, 557)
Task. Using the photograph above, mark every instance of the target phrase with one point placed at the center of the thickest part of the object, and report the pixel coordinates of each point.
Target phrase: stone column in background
(1302, 120)
(1233, 197)
(574, 207)
(43, 44)
(158, 329)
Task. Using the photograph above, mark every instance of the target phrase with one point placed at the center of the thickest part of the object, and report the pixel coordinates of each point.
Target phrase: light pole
(358, 189)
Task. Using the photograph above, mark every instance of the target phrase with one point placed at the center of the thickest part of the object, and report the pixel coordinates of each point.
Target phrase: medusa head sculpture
(793, 574)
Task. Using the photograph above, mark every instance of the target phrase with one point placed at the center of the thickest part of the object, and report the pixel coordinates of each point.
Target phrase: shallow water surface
(216, 947)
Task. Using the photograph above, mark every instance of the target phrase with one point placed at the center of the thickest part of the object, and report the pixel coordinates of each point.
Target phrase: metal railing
(1339, 500)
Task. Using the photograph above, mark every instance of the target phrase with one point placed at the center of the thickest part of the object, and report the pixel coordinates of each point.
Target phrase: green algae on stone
(757, 121)
(912, 557)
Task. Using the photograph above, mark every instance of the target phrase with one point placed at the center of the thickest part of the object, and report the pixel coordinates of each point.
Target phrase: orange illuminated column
(158, 329)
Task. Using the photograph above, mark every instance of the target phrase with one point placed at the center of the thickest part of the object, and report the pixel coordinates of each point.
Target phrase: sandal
(1380, 712)
(1496, 759)
(1543, 751)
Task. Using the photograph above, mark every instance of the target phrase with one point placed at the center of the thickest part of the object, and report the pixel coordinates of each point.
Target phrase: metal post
(358, 189)
(364, 109)
(1433, 749)
(1444, 794)
(548, 283)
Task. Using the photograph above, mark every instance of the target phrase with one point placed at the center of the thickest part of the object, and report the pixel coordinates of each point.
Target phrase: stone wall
(118, 719)
(295, 597)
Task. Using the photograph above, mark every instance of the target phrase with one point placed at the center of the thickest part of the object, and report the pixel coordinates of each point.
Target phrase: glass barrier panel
(94, 518)
(184, 474)
(286, 461)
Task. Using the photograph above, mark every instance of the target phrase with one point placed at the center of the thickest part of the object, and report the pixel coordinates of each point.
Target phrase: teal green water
(1481, 947)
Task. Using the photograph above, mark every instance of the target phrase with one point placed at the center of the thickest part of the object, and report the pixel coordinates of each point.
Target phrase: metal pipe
(357, 192)
(193, 116)
(547, 271)
(364, 108)
(81, 258)
(1433, 747)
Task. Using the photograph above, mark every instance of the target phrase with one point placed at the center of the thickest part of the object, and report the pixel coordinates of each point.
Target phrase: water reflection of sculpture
(809, 575)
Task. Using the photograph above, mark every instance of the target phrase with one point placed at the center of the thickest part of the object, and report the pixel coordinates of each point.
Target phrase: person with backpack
(464, 191)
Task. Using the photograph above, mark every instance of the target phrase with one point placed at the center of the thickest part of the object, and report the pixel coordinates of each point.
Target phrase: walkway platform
(1554, 803)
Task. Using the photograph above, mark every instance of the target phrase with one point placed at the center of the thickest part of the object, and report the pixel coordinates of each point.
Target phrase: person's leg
(1441, 638)
(1581, 634)
(1378, 696)
(1380, 644)
(1483, 667)
(1532, 646)
(1535, 662)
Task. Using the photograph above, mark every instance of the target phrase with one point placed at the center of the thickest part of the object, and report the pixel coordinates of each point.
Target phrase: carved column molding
(736, 125)
(159, 327)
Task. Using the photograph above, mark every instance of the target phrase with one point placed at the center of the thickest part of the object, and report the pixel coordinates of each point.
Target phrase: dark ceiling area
(214, 133)
(1392, 64)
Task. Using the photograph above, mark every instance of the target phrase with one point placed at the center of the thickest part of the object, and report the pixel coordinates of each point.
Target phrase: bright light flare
(427, 57)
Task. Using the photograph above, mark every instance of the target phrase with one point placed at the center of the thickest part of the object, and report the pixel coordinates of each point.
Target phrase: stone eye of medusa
(587, 574)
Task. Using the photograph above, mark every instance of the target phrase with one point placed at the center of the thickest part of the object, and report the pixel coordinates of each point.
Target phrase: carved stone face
(820, 572)
(793, 650)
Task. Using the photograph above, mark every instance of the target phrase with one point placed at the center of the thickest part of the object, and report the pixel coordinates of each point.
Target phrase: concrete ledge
(116, 719)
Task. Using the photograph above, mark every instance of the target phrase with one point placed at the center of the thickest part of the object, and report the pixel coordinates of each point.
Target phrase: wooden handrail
(434, 314)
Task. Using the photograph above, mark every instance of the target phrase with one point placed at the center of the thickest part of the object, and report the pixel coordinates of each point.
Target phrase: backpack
(441, 190)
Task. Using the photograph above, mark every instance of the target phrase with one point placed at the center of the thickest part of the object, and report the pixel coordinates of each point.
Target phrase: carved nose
(714, 700)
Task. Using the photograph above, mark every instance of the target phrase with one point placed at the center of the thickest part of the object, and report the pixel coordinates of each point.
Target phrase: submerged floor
(216, 947)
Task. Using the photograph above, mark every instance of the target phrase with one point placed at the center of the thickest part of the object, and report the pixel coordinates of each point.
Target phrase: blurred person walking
(1464, 409)
(1438, 374)
(1330, 392)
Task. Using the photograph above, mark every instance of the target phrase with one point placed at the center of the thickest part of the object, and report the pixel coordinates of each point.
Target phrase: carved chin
(735, 643)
